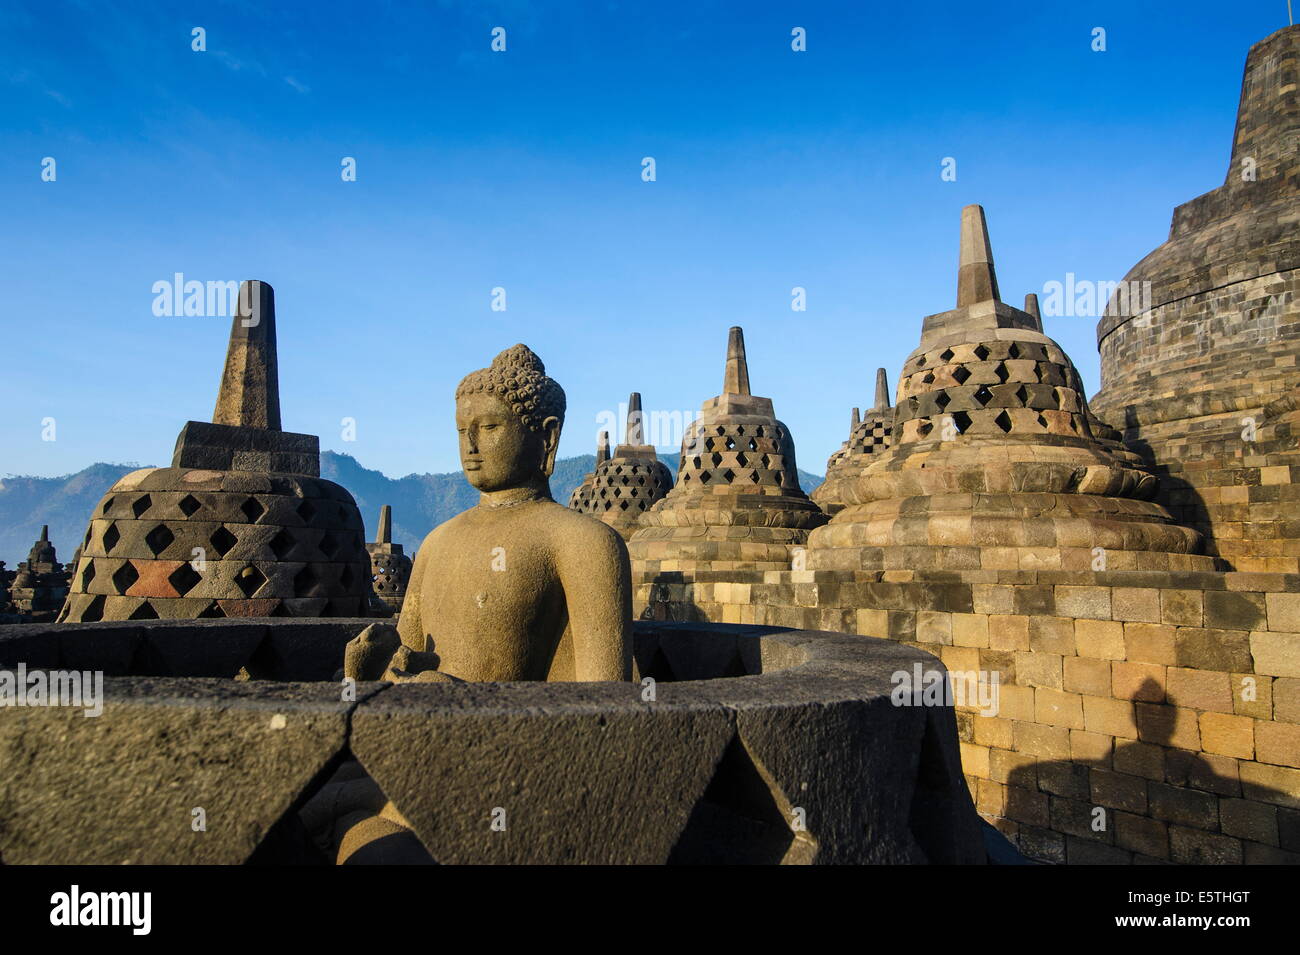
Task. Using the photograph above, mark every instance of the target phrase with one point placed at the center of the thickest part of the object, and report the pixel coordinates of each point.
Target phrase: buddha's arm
(597, 580)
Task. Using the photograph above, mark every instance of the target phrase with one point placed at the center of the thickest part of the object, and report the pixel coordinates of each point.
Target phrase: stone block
(1007, 766)
(1140, 759)
(1135, 604)
(1186, 807)
(1228, 610)
(1140, 834)
(1277, 743)
(1204, 771)
(1194, 847)
(1009, 632)
(1227, 735)
(1051, 635)
(1279, 785)
(1199, 689)
(1027, 806)
(970, 630)
(1092, 748)
(1138, 681)
(1150, 643)
(1286, 699)
(1110, 717)
(1119, 791)
(1248, 819)
(1103, 639)
(1086, 675)
(1168, 725)
(1252, 695)
(1283, 612)
(1056, 708)
(1276, 654)
(1205, 649)
(1182, 608)
(1044, 742)
(1083, 602)
(1039, 669)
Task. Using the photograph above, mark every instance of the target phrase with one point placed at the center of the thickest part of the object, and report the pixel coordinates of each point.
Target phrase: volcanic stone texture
(757, 746)
(174, 543)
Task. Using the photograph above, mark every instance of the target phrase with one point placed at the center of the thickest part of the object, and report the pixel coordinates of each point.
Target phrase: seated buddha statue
(516, 588)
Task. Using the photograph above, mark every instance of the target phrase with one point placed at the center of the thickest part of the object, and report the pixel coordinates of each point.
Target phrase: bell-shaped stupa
(241, 524)
(40, 586)
(869, 434)
(737, 504)
(580, 499)
(993, 463)
(390, 568)
(625, 486)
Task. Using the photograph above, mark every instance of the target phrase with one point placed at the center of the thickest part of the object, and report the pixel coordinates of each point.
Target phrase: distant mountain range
(420, 502)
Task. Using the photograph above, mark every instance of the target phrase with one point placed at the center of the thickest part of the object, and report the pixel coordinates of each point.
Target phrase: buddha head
(509, 417)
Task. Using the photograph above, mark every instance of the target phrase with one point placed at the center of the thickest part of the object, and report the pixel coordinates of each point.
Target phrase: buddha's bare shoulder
(571, 530)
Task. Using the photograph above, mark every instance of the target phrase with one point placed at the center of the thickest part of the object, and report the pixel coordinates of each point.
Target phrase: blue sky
(522, 170)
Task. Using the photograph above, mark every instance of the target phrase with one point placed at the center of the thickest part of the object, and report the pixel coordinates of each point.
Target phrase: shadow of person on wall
(1147, 800)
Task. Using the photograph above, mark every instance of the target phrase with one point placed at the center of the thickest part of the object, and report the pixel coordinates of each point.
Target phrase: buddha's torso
(490, 599)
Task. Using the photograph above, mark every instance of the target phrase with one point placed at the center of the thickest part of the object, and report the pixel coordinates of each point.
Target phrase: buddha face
(497, 450)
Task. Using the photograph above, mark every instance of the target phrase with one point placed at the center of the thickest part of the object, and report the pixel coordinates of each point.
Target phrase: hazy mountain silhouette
(420, 501)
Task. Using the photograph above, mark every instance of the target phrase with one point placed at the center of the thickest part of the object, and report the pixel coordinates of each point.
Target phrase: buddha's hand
(367, 655)
(415, 666)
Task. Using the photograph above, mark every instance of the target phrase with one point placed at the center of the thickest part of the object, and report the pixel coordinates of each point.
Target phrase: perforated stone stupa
(390, 568)
(737, 504)
(580, 499)
(41, 583)
(241, 524)
(993, 464)
(869, 434)
(625, 486)
(1198, 356)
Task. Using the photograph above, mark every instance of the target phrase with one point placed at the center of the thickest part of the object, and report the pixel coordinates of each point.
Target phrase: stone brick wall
(1143, 716)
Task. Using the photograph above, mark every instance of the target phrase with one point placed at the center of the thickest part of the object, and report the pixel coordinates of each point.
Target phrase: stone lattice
(241, 524)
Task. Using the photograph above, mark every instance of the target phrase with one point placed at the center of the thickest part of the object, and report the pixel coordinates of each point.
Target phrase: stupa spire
(385, 532)
(857, 419)
(602, 448)
(635, 431)
(45, 534)
(976, 279)
(736, 381)
(1031, 309)
(882, 390)
(250, 383)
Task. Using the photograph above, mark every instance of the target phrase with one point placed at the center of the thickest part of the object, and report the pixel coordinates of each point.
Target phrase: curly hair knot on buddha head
(519, 378)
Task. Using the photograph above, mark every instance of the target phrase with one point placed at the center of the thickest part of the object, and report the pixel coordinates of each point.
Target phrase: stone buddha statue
(517, 587)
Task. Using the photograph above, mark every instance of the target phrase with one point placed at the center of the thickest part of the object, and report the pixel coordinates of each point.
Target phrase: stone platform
(760, 745)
